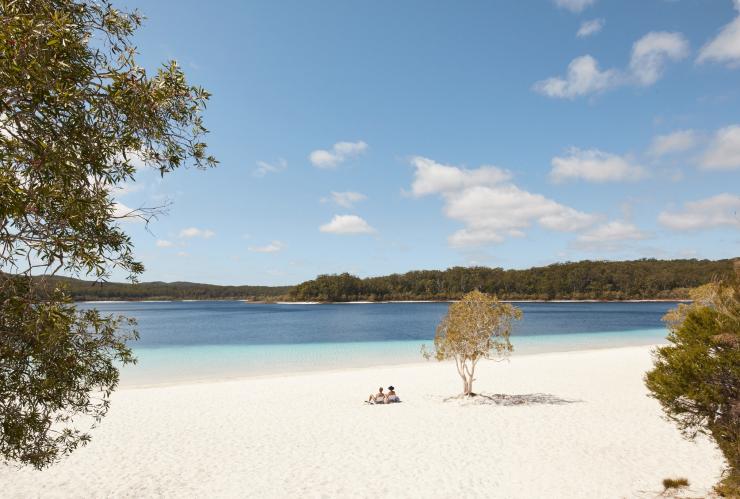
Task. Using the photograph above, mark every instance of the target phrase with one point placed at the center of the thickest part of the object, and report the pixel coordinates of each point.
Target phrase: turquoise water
(194, 341)
(200, 363)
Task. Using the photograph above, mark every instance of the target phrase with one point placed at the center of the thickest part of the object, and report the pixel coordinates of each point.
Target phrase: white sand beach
(593, 433)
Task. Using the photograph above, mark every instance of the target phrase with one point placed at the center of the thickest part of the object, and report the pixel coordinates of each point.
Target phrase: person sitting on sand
(378, 398)
(391, 395)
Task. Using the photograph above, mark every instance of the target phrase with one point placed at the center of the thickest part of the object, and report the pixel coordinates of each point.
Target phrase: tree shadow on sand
(504, 399)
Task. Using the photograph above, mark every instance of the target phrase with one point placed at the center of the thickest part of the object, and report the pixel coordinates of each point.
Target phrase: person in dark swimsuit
(391, 396)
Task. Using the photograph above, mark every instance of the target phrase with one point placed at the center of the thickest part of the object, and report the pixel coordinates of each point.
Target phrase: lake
(202, 340)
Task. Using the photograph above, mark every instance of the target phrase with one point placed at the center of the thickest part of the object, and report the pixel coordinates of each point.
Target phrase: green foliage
(477, 327)
(587, 280)
(341, 287)
(605, 280)
(675, 483)
(86, 290)
(696, 378)
(78, 116)
(56, 365)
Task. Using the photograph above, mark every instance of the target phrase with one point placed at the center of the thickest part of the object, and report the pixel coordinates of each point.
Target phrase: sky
(388, 136)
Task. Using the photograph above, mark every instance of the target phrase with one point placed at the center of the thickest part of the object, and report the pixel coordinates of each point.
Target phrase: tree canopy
(640, 279)
(477, 327)
(696, 378)
(78, 117)
(599, 280)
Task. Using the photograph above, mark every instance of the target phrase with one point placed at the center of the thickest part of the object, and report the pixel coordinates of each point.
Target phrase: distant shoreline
(268, 302)
(647, 280)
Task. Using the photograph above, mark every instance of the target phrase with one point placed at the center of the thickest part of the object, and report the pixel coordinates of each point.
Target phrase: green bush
(696, 377)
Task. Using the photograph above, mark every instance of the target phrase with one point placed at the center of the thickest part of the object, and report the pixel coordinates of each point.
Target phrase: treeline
(586, 280)
(87, 290)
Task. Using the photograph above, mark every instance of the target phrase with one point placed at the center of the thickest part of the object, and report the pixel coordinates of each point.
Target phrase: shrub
(675, 483)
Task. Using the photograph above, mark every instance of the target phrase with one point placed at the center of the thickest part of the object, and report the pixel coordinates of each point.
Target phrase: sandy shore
(592, 433)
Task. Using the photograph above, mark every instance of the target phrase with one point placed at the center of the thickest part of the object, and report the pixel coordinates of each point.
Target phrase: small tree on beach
(477, 327)
(696, 378)
(78, 118)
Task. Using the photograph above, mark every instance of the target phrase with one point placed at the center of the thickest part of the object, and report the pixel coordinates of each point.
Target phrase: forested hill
(87, 290)
(599, 280)
(639, 279)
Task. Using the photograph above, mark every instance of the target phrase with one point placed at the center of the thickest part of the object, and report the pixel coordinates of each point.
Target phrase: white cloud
(345, 199)
(116, 190)
(725, 47)
(589, 28)
(263, 167)
(593, 165)
(716, 211)
(125, 214)
(192, 232)
(723, 152)
(432, 177)
(651, 53)
(574, 5)
(340, 152)
(126, 188)
(584, 77)
(610, 236)
(347, 224)
(273, 247)
(490, 208)
(163, 243)
(675, 142)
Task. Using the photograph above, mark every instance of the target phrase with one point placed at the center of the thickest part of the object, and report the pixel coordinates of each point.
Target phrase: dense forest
(587, 280)
(87, 290)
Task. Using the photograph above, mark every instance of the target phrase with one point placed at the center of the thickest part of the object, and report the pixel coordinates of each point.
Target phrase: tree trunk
(467, 373)
(467, 385)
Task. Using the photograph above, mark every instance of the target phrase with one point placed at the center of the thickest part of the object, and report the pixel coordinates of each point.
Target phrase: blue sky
(385, 136)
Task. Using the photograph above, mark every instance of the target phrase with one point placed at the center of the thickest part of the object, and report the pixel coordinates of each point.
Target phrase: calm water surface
(205, 340)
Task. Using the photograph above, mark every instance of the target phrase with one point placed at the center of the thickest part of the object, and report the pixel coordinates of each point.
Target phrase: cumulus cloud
(725, 47)
(722, 210)
(163, 243)
(610, 236)
(650, 55)
(589, 28)
(593, 165)
(192, 232)
(340, 152)
(273, 247)
(432, 177)
(345, 199)
(583, 77)
(490, 207)
(263, 167)
(723, 152)
(574, 5)
(347, 224)
(674, 142)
